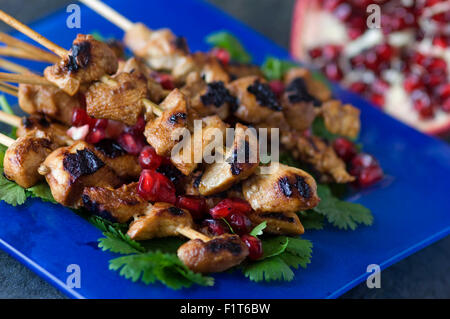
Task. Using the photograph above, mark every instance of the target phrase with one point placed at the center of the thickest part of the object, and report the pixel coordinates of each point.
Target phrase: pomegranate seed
(114, 129)
(412, 82)
(360, 161)
(229, 205)
(164, 79)
(215, 227)
(196, 205)
(371, 60)
(222, 55)
(377, 99)
(358, 87)
(443, 91)
(80, 117)
(315, 53)
(440, 42)
(354, 33)
(277, 87)
(446, 105)
(155, 187)
(239, 222)
(331, 52)
(131, 143)
(148, 159)
(385, 51)
(255, 250)
(422, 104)
(96, 135)
(369, 176)
(333, 72)
(380, 86)
(99, 123)
(344, 148)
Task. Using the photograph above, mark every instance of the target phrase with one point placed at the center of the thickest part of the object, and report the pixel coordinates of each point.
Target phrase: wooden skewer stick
(109, 14)
(19, 26)
(9, 89)
(19, 44)
(19, 53)
(192, 233)
(13, 67)
(24, 78)
(6, 140)
(10, 119)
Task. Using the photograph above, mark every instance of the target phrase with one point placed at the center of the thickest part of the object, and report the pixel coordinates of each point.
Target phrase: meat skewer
(9, 89)
(13, 67)
(19, 53)
(25, 78)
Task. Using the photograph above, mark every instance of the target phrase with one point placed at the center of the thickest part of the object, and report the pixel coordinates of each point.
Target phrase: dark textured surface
(422, 275)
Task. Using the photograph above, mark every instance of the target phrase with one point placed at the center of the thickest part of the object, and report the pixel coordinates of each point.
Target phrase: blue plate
(411, 206)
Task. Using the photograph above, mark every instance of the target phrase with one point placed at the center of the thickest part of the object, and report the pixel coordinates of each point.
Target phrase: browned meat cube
(87, 61)
(48, 100)
(285, 189)
(25, 155)
(119, 99)
(322, 157)
(215, 255)
(283, 223)
(315, 87)
(257, 102)
(341, 119)
(159, 220)
(209, 68)
(159, 132)
(241, 160)
(68, 170)
(56, 131)
(117, 205)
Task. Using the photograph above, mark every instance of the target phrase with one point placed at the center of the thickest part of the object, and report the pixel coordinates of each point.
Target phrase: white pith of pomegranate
(403, 67)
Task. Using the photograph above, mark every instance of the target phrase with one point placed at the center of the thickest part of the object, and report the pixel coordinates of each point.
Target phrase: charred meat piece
(215, 255)
(241, 160)
(25, 155)
(161, 133)
(87, 61)
(117, 205)
(159, 220)
(341, 119)
(256, 101)
(283, 223)
(56, 131)
(209, 68)
(316, 88)
(213, 132)
(48, 100)
(125, 165)
(68, 170)
(321, 156)
(119, 99)
(284, 189)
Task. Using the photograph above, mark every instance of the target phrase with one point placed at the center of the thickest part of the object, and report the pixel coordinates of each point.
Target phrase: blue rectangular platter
(411, 206)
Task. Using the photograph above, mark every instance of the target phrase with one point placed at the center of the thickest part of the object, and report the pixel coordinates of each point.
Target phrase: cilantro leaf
(258, 230)
(344, 215)
(152, 266)
(227, 41)
(274, 69)
(42, 191)
(11, 193)
(311, 220)
(116, 245)
(280, 254)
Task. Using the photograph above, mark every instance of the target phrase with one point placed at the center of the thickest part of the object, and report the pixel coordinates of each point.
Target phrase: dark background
(423, 275)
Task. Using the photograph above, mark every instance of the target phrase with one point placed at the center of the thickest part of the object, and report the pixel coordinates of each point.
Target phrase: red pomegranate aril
(164, 79)
(446, 105)
(240, 223)
(216, 227)
(354, 33)
(95, 135)
(331, 52)
(139, 127)
(358, 87)
(315, 53)
(131, 143)
(440, 42)
(99, 123)
(412, 82)
(277, 87)
(344, 148)
(196, 205)
(114, 129)
(443, 91)
(155, 187)
(222, 55)
(255, 250)
(422, 104)
(360, 161)
(380, 86)
(80, 117)
(369, 176)
(148, 159)
(377, 99)
(333, 72)
(229, 205)
(371, 60)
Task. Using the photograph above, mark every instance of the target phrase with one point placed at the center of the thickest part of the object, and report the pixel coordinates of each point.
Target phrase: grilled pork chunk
(159, 220)
(117, 205)
(282, 223)
(48, 100)
(241, 160)
(209, 68)
(119, 99)
(25, 155)
(257, 102)
(315, 87)
(159, 132)
(68, 170)
(215, 255)
(87, 61)
(285, 189)
(56, 131)
(341, 119)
